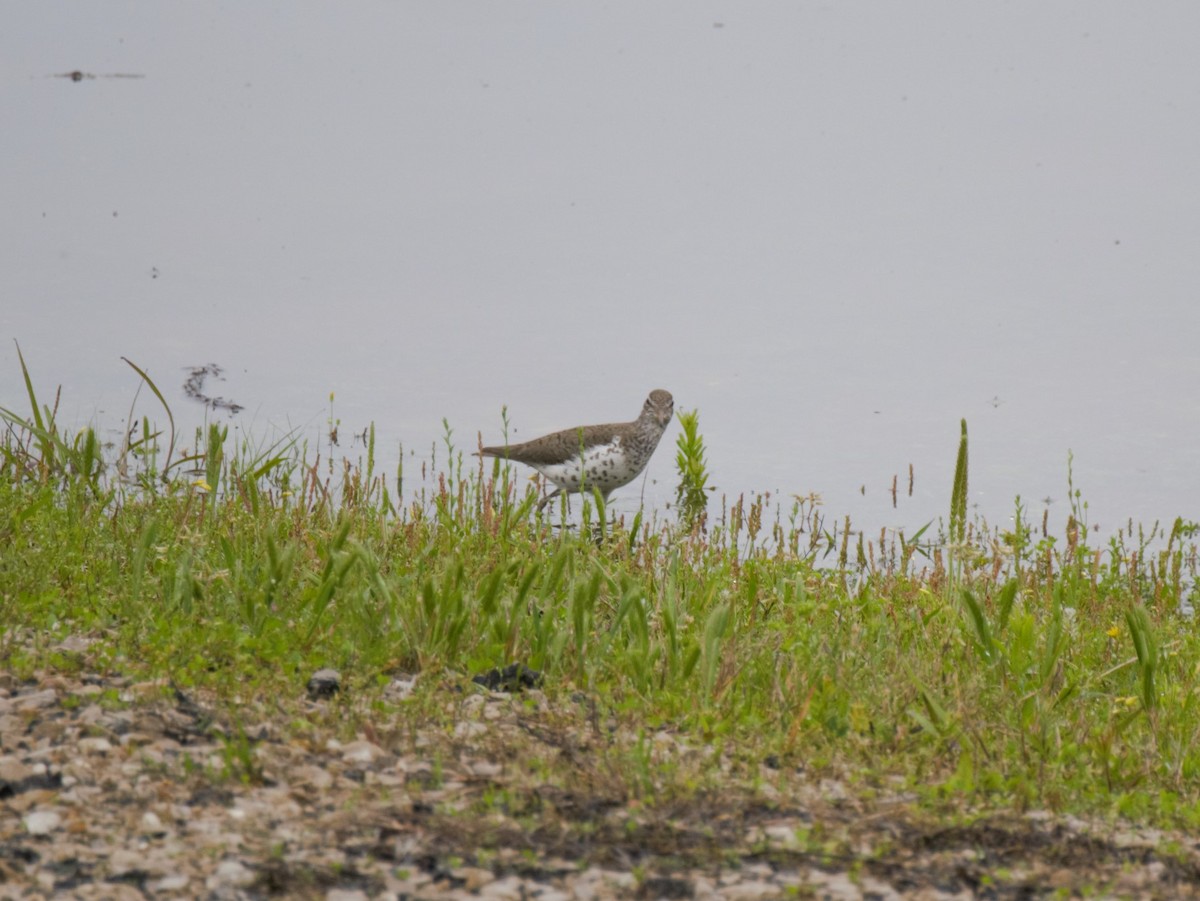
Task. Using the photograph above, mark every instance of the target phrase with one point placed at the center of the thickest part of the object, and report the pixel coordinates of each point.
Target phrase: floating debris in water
(77, 75)
(193, 387)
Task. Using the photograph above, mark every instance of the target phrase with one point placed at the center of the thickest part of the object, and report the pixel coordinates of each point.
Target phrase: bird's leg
(548, 498)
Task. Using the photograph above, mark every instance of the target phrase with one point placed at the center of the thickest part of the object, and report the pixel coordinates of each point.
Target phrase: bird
(600, 457)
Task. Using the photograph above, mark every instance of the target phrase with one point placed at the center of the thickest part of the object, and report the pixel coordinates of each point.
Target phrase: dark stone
(325, 683)
(513, 678)
(666, 887)
(43, 781)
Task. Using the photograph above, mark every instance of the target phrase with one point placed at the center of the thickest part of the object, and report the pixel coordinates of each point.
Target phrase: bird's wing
(555, 447)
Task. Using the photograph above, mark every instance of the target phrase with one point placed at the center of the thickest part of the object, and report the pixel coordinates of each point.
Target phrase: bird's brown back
(558, 446)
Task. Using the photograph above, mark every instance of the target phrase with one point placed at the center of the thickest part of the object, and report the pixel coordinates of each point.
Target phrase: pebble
(324, 683)
(123, 861)
(782, 836)
(595, 883)
(485, 769)
(36, 700)
(324, 824)
(12, 771)
(749, 891)
(231, 873)
(312, 776)
(75, 644)
(510, 888)
(176, 883)
(474, 878)
(470, 729)
(95, 745)
(42, 822)
(399, 689)
(361, 752)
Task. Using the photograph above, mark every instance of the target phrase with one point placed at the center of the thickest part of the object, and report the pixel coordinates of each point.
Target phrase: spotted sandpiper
(603, 457)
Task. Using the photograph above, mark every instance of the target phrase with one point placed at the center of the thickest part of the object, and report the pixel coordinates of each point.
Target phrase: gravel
(117, 789)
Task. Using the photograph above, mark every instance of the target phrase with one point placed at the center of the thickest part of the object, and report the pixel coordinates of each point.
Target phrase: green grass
(1007, 669)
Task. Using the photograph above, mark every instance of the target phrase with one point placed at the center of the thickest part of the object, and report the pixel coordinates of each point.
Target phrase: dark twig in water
(193, 387)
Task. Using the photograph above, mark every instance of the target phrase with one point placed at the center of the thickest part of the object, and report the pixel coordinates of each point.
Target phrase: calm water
(836, 230)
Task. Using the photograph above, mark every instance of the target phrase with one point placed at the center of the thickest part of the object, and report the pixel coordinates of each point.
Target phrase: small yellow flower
(202, 485)
(1114, 632)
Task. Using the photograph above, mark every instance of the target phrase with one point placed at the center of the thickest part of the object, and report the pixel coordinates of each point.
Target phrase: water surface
(834, 229)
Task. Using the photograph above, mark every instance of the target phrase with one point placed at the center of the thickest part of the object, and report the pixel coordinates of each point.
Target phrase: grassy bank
(977, 669)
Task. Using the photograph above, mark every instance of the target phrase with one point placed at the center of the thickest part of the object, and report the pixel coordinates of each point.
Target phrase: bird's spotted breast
(603, 466)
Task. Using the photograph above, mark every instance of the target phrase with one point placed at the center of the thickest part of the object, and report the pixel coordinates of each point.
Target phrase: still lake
(833, 229)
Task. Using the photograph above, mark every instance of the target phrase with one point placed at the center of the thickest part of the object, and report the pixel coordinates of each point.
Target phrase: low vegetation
(975, 669)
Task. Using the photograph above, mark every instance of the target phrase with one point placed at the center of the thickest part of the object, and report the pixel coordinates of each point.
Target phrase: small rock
(485, 769)
(175, 883)
(151, 824)
(231, 872)
(312, 776)
(834, 886)
(75, 644)
(361, 752)
(399, 689)
(12, 771)
(594, 884)
(344, 894)
(10, 727)
(875, 889)
(833, 790)
(123, 862)
(510, 888)
(513, 678)
(750, 891)
(325, 683)
(42, 822)
(494, 709)
(666, 887)
(95, 745)
(413, 882)
(469, 730)
(782, 836)
(35, 700)
(474, 878)
(153, 688)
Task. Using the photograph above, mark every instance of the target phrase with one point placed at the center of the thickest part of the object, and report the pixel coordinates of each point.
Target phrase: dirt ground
(114, 789)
